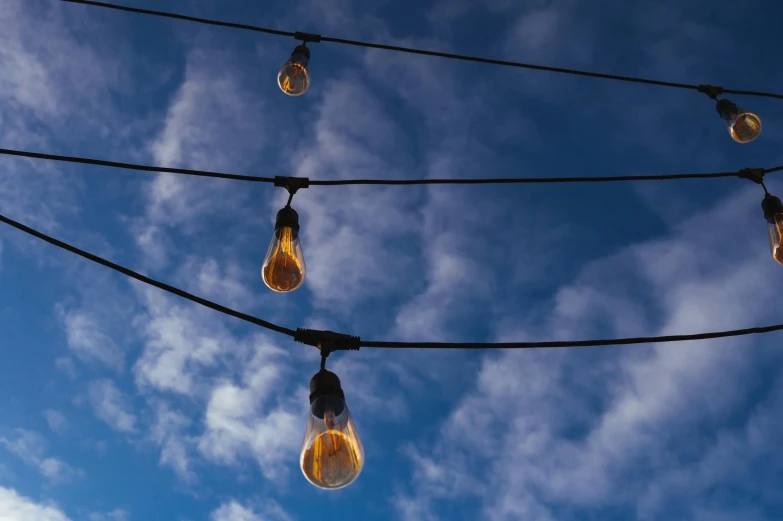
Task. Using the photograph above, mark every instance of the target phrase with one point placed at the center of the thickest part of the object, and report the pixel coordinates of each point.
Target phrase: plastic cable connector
(307, 37)
(711, 91)
(327, 341)
(292, 184)
(754, 174)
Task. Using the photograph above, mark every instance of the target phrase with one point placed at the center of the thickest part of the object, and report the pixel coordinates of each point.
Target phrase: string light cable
(303, 182)
(316, 38)
(329, 341)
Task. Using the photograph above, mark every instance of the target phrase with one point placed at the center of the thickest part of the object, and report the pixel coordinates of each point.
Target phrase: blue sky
(121, 403)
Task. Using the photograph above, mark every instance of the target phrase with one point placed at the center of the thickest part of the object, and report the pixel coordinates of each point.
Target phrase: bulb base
(771, 206)
(287, 217)
(725, 106)
(325, 383)
(301, 49)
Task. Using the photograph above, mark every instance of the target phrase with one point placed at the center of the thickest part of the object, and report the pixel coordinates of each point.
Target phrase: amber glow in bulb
(332, 455)
(284, 267)
(294, 75)
(773, 213)
(743, 126)
(775, 227)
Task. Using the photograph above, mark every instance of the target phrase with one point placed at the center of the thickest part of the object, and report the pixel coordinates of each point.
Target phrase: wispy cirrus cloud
(56, 420)
(233, 510)
(88, 340)
(31, 448)
(117, 514)
(111, 406)
(169, 431)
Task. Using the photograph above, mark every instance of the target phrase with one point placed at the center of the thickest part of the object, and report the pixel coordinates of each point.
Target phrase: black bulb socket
(302, 49)
(287, 217)
(326, 383)
(725, 106)
(771, 206)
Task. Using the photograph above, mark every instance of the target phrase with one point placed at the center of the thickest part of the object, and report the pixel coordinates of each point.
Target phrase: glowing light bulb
(773, 212)
(284, 266)
(294, 76)
(332, 455)
(743, 126)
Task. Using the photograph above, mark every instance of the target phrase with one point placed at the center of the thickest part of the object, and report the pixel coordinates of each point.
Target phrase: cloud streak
(31, 448)
(111, 406)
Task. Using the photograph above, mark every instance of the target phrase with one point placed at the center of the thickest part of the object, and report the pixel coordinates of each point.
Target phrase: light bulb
(332, 455)
(284, 266)
(773, 212)
(294, 76)
(743, 126)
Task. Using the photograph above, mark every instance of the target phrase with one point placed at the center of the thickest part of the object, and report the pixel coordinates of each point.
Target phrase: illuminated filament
(333, 459)
(284, 267)
(746, 127)
(776, 237)
(293, 78)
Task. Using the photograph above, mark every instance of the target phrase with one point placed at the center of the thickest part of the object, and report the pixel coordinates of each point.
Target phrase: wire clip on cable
(327, 341)
(307, 37)
(711, 91)
(292, 184)
(754, 174)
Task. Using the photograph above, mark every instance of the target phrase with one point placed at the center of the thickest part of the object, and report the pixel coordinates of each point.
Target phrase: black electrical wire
(521, 180)
(183, 17)
(132, 166)
(571, 343)
(410, 50)
(394, 182)
(382, 344)
(143, 278)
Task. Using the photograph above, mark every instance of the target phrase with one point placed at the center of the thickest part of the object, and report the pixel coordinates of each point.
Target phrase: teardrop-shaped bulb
(773, 213)
(284, 266)
(743, 126)
(332, 455)
(294, 75)
(775, 227)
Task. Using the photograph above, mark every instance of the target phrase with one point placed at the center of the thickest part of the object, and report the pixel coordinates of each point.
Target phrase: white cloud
(57, 421)
(36, 79)
(367, 395)
(213, 122)
(175, 447)
(112, 406)
(188, 352)
(15, 507)
(224, 283)
(31, 448)
(115, 515)
(354, 236)
(233, 510)
(181, 341)
(42, 94)
(55, 469)
(538, 32)
(88, 340)
(244, 420)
